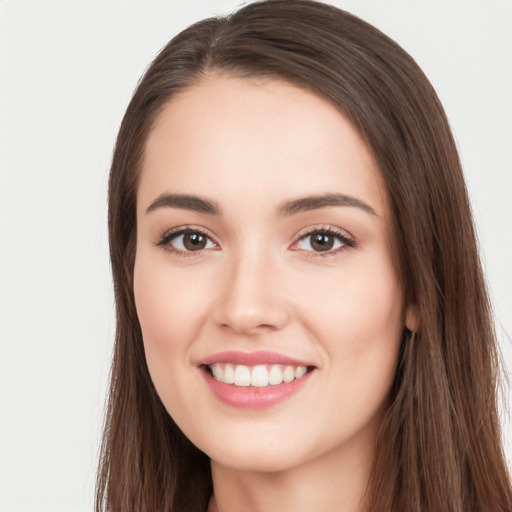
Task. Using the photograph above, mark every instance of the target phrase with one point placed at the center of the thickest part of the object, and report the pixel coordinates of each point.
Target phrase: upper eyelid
(323, 228)
(187, 229)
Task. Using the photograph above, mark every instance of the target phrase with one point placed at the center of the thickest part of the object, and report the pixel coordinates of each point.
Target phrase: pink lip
(252, 397)
(252, 358)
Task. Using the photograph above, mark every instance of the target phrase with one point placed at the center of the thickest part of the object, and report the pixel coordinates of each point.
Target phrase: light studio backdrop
(68, 69)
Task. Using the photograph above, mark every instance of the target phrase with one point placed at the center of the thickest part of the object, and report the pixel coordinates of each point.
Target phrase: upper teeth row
(258, 376)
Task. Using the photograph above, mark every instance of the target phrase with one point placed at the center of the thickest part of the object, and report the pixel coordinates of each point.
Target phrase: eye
(325, 240)
(186, 241)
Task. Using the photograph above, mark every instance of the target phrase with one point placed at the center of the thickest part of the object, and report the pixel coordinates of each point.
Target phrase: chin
(255, 460)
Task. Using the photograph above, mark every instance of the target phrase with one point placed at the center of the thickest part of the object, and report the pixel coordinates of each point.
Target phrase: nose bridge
(252, 300)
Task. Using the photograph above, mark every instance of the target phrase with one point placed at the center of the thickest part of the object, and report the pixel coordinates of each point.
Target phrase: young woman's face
(269, 304)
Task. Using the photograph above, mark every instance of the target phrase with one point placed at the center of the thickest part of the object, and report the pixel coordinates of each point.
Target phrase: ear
(412, 317)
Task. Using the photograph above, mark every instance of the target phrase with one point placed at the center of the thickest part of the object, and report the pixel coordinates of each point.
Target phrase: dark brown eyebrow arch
(307, 203)
(185, 202)
(303, 204)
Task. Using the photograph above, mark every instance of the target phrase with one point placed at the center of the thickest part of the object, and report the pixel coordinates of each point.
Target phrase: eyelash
(168, 237)
(344, 238)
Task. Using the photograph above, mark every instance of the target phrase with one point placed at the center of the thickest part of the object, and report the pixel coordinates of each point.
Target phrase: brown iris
(194, 241)
(322, 242)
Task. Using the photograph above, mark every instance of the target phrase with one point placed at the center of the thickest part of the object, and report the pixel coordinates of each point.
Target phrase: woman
(302, 320)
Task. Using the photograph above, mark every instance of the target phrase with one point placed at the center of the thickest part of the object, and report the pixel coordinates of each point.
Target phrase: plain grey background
(68, 69)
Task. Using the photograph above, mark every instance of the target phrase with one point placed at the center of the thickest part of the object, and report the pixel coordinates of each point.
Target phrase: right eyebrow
(185, 202)
(308, 203)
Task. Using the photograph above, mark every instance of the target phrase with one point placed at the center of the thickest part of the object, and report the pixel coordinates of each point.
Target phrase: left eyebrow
(185, 202)
(308, 203)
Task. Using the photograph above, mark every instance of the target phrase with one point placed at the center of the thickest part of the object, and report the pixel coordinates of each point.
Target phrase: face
(269, 305)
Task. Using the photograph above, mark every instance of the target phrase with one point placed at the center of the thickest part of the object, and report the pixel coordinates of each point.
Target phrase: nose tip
(253, 303)
(251, 321)
(252, 312)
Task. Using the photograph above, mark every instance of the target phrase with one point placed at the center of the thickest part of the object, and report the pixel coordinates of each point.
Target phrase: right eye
(186, 241)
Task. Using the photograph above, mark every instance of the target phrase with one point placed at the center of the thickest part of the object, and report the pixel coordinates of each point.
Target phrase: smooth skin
(256, 281)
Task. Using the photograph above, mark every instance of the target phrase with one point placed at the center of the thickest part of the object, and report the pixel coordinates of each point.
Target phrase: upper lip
(252, 358)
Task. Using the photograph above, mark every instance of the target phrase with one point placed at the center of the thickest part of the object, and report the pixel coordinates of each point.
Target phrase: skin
(249, 146)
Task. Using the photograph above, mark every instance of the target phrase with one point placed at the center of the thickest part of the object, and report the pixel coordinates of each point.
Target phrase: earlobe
(412, 317)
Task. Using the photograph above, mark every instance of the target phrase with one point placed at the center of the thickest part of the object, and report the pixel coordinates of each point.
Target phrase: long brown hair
(439, 446)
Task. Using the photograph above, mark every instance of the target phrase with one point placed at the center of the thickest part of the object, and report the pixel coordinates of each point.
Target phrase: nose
(253, 299)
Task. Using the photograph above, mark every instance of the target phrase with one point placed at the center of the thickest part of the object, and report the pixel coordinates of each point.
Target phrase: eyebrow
(315, 202)
(185, 202)
(292, 207)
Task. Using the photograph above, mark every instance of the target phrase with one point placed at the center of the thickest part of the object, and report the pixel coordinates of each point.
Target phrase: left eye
(190, 241)
(322, 241)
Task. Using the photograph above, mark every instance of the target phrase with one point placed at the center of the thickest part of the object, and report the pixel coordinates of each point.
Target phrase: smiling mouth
(258, 376)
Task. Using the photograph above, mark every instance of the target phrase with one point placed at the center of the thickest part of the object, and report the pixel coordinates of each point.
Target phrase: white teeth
(275, 375)
(229, 374)
(300, 372)
(217, 371)
(242, 376)
(289, 374)
(259, 376)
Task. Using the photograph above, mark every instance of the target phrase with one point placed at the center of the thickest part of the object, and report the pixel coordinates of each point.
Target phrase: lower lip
(253, 397)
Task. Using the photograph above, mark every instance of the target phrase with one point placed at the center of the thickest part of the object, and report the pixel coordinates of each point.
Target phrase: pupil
(322, 242)
(194, 241)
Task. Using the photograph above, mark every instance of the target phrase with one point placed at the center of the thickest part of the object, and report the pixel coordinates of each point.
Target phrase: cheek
(169, 303)
(154, 301)
(166, 316)
(360, 326)
(359, 320)
(164, 313)
(365, 303)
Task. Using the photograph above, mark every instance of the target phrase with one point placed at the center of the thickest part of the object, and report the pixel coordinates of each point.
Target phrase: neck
(322, 485)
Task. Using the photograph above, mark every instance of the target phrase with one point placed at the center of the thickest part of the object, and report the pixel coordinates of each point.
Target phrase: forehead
(257, 139)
